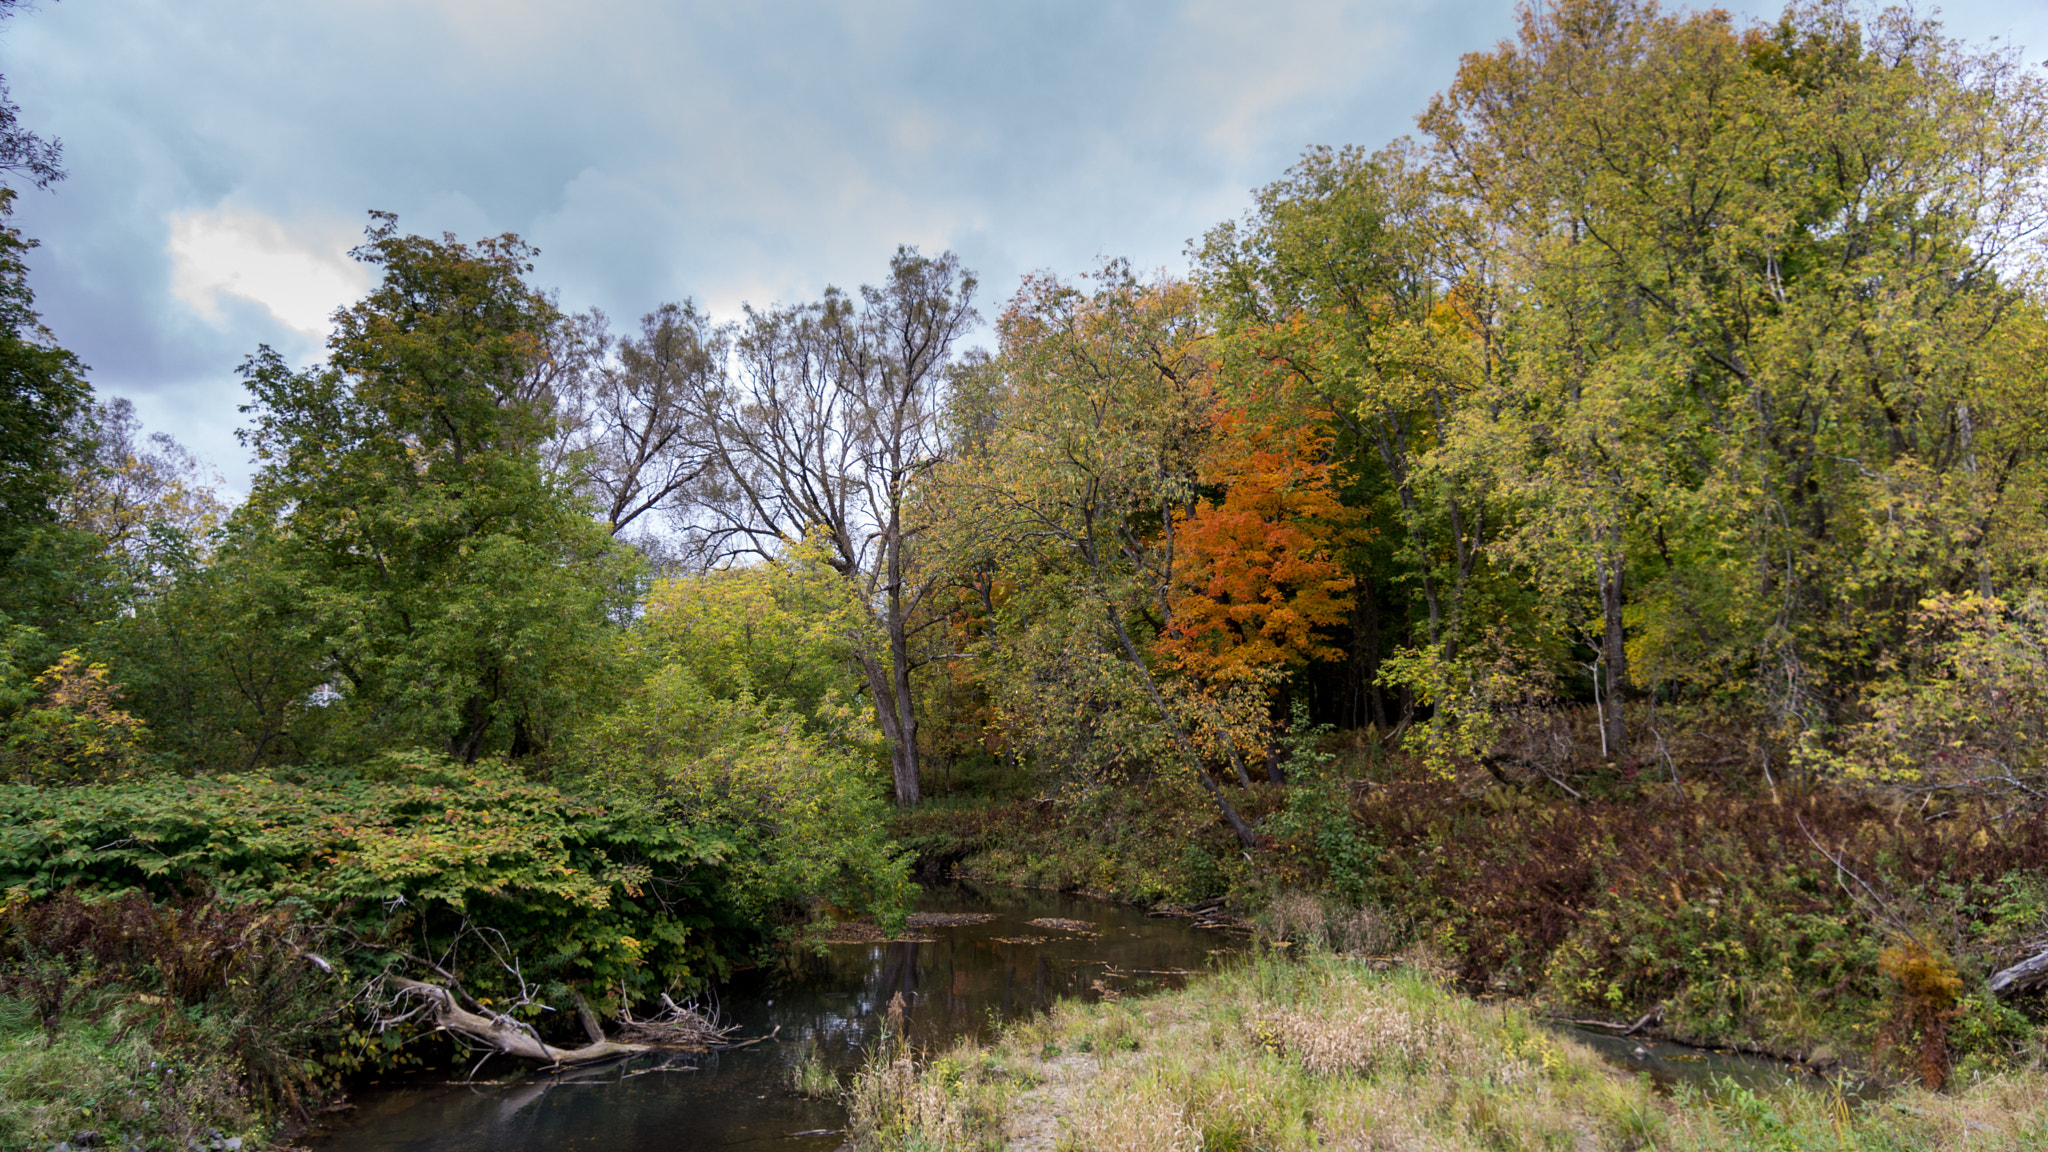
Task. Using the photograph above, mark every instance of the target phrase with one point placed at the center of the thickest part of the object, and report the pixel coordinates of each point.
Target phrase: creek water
(959, 978)
(1709, 1070)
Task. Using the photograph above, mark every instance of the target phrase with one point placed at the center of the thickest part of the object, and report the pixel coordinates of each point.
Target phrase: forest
(1596, 541)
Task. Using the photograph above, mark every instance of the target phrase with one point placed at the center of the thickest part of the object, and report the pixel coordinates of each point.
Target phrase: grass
(104, 1083)
(1826, 925)
(1322, 1052)
(810, 1076)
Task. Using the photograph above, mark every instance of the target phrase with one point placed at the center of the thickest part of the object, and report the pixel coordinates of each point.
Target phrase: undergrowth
(1325, 1053)
(185, 1025)
(1816, 923)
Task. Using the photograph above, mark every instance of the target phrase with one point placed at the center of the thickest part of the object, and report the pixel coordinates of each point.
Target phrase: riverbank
(1821, 924)
(1323, 1052)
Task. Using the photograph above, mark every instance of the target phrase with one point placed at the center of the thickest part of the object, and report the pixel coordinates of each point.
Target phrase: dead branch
(680, 1026)
(2026, 974)
(502, 1033)
(1875, 906)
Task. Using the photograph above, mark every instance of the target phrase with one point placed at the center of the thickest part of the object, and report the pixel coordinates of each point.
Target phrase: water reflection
(961, 979)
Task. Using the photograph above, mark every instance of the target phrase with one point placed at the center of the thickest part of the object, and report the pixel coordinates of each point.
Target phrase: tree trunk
(1613, 649)
(504, 1034)
(2028, 973)
(909, 784)
(890, 713)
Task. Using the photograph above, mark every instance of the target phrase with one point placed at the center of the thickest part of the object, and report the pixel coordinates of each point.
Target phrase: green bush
(413, 853)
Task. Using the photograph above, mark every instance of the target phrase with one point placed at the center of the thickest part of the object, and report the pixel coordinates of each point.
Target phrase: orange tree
(1260, 580)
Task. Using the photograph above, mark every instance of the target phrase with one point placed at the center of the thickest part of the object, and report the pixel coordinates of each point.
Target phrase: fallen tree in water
(676, 1028)
(680, 1026)
(500, 1033)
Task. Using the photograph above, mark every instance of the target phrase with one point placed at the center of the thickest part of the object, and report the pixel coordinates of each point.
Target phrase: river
(990, 964)
(960, 978)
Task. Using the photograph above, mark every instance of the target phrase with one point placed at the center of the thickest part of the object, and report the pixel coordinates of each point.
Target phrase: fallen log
(2021, 976)
(503, 1034)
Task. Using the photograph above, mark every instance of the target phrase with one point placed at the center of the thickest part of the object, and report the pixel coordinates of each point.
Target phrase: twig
(1883, 911)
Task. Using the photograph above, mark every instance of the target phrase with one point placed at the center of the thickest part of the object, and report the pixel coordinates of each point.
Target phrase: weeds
(1321, 1052)
(160, 1022)
(810, 1076)
(894, 1102)
(105, 1074)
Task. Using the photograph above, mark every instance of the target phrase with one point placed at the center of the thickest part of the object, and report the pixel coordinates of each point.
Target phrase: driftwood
(504, 1034)
(682, 1027)
(1619, 1029)
(2026, 974)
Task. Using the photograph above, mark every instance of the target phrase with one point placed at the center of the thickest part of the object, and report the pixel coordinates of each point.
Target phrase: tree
(148, 501)
(626, 425)
(1766, 337)
(1098, 405)
(1352, 300)
(1259, 578)
(456, 593)
(22, 152)
(833, 421)
(45, 406)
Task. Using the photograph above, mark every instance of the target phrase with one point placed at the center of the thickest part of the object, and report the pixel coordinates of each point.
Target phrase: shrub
(415, 853)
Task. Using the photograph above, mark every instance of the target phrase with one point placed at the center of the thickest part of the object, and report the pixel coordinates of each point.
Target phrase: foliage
(1145, 846)
(796, 796)
(747, 723)
(1747, 919)
(202, 978)
(44, 400)
(1749, 395)
(454, 591)
(1096, 408)
(417, 854)
(1473, 696)
(1259, 580)
(783, 631)
(1965, 702)
(75, 732)
(148, 502)
(109, 1077)
(221, 665)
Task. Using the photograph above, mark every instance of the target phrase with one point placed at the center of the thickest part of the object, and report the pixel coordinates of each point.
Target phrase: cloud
(656, 149)
(298, 272)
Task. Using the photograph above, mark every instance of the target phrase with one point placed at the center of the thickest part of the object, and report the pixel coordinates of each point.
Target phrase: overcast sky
(222, 153)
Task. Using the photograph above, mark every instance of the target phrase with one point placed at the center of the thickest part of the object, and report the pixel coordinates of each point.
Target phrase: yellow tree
(1751, 377)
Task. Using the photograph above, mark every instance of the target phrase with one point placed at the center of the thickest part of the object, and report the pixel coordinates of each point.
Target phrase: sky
(223, 153)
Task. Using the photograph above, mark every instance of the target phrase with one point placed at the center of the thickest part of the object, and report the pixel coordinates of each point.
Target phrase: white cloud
(299, 272)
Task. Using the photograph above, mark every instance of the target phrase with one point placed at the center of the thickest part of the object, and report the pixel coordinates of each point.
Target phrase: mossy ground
(1323, 1052)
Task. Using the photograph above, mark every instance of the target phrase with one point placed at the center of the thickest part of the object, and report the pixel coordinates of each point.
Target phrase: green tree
(54, 581)
(455, 592)
(1765, 334)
